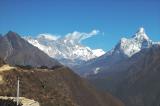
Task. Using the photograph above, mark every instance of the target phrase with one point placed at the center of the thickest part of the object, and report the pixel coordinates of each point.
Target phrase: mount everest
(68, 49)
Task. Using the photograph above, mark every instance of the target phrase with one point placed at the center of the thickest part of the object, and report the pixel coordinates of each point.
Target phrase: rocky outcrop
(24, 101)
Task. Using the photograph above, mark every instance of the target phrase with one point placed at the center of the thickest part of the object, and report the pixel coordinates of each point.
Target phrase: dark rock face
(141, 85)
(1, 62)
(136, 80)
(8, 102)
(58, 87)
(16, 51)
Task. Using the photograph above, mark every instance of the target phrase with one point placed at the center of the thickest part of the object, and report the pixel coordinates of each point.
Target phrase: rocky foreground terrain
(53, 87)
(23, 101)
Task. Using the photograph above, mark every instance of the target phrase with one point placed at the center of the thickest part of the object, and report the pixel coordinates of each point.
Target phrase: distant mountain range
(17, 51)
(125, 49)
(65, 50)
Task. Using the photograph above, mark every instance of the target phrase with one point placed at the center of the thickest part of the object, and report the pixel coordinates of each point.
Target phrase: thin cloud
(74, 37)
(48, 36)
(77, 37)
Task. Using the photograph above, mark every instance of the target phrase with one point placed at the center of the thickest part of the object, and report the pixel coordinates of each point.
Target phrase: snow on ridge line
(60, 49)
(130, 46)
(98, 52)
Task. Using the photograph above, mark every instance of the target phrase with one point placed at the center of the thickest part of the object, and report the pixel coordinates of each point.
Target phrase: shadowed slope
(136, 80)
(17, 51)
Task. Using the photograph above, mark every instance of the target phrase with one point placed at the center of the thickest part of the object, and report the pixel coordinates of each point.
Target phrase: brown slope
(60, 87)
(1, 62)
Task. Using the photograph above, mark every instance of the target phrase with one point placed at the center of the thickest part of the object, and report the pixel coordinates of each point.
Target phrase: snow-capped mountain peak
(141, 35)
(130, 46)
(98, 52)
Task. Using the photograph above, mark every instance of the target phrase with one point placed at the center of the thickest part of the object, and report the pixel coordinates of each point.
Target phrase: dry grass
(59, 87)
(4, 68)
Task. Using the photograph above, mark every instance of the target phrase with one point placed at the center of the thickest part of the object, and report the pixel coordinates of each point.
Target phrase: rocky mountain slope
(141, 84)
(17, 51)
(136, 80)
(54, 87)
(1, 62)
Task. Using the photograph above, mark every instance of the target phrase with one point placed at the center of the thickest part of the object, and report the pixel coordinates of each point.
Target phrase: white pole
(18, 92)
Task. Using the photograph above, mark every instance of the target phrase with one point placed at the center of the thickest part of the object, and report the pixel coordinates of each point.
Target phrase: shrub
(55, 67)
(25, 67)
(8, 102)
(43, 67)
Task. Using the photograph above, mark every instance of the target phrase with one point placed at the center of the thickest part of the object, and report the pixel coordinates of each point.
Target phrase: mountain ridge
(17, 51)
(64, 49)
